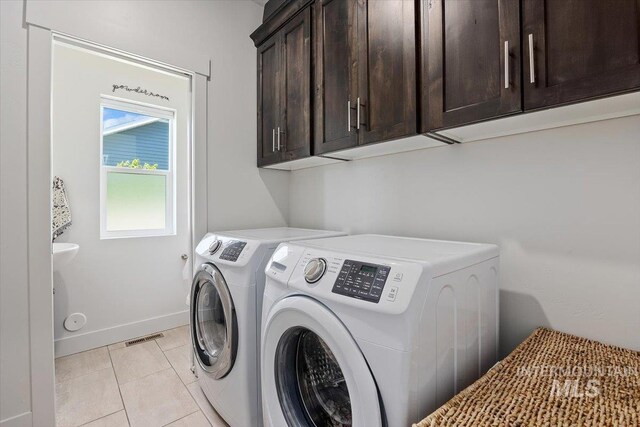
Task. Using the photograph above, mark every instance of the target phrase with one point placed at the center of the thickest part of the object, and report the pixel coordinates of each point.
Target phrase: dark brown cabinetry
(387, 69)
(284, 93)
(336, 61)
(470, 64)
(579, 49)
(338, 74)
(365, 72)
(471, 59)
(268, 101)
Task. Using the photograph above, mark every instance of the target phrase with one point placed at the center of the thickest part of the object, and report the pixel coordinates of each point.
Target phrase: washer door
(214, 328)
(313, 373)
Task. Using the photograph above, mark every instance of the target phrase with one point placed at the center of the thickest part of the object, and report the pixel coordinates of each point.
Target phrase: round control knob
(214, 246)
(314, 270)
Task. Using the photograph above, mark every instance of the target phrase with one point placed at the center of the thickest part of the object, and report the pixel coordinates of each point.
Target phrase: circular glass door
(315, 393)
(213, 320)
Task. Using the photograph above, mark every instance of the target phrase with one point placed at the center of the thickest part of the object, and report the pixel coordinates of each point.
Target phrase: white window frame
(170, 180)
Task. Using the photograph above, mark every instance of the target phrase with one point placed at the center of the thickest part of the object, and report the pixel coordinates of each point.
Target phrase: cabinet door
(579, 49)
(387, 69)
(268, 101)
(470, 61)
(335, 77)
(295, 105)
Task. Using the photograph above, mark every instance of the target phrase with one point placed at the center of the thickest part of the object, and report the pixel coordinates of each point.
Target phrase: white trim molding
(21, 420)
(39, 226)
(40, 43)
(89, 340)
(100, 18)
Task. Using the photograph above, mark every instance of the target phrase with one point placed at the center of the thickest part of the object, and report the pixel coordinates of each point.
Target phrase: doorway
(121, 162)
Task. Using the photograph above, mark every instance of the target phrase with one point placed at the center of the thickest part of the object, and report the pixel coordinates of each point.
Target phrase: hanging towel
(61, 218)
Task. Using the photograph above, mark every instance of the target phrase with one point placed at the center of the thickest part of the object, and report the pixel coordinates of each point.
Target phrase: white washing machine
(226, 301)
(374, 330)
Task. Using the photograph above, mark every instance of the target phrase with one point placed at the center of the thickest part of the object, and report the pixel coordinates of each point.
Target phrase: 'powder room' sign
(138, 90)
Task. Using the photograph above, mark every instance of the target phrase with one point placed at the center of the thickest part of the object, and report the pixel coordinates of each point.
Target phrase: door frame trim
(39, 146)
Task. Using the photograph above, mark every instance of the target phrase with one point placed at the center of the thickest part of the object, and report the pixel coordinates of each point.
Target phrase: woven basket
(528, 387)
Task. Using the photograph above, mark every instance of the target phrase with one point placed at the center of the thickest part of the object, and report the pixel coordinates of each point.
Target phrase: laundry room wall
(218, 30)
(562, 204)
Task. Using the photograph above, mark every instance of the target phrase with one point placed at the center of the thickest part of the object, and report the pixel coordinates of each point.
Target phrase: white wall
(15, 378)
(218, 30)
(563, 204)
(240, 194)
(126, 287)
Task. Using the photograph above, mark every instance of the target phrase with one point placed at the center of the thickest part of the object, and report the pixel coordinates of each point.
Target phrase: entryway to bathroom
(122, 239)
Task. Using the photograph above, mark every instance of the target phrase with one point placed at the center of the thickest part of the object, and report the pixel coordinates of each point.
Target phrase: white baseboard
(22, 420)
(93, 339)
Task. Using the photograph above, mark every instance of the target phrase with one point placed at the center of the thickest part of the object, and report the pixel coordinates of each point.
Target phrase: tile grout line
(165, 355)
(126, 414)
(81, 375)
(201, 408)
(118, 383)
(182, 418)
(145, 376)
(105, 416)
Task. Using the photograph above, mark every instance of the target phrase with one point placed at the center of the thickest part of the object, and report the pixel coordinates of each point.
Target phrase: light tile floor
(148, 384)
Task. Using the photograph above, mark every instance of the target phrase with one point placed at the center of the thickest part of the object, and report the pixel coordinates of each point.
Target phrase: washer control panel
(361, 280)
(232, 250)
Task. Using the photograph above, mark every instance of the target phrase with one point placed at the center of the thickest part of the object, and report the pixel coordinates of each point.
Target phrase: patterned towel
(61, 218)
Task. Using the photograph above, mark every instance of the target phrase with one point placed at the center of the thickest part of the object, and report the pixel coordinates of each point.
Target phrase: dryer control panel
(361, 280)
(232, 250)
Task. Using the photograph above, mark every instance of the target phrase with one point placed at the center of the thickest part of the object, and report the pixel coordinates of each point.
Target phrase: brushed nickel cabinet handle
(349, 116)
(278, 138)
(532, 76)
(506, 64)
(273, 140)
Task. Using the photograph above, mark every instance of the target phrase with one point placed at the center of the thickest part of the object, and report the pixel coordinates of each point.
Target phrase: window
(137, 183)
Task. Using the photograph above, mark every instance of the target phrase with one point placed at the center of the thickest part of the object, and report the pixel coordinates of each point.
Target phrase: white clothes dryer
(226, 302)
(374, 330)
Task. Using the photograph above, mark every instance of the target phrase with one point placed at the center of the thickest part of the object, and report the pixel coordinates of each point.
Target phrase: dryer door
(214, 328)
(313, 373)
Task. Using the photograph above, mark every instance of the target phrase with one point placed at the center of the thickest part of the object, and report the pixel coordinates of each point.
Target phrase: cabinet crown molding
(276, 14)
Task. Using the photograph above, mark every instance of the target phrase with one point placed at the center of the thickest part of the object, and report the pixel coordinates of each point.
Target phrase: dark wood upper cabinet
(336, 61)
(579, 49)
(295, 104)
(387, 70)
(365, 72)
(284, 92)
(338, 74)
(268, 101)
(470, 61)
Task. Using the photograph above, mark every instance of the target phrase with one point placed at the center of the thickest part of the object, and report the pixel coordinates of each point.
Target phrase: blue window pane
(128, 137)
